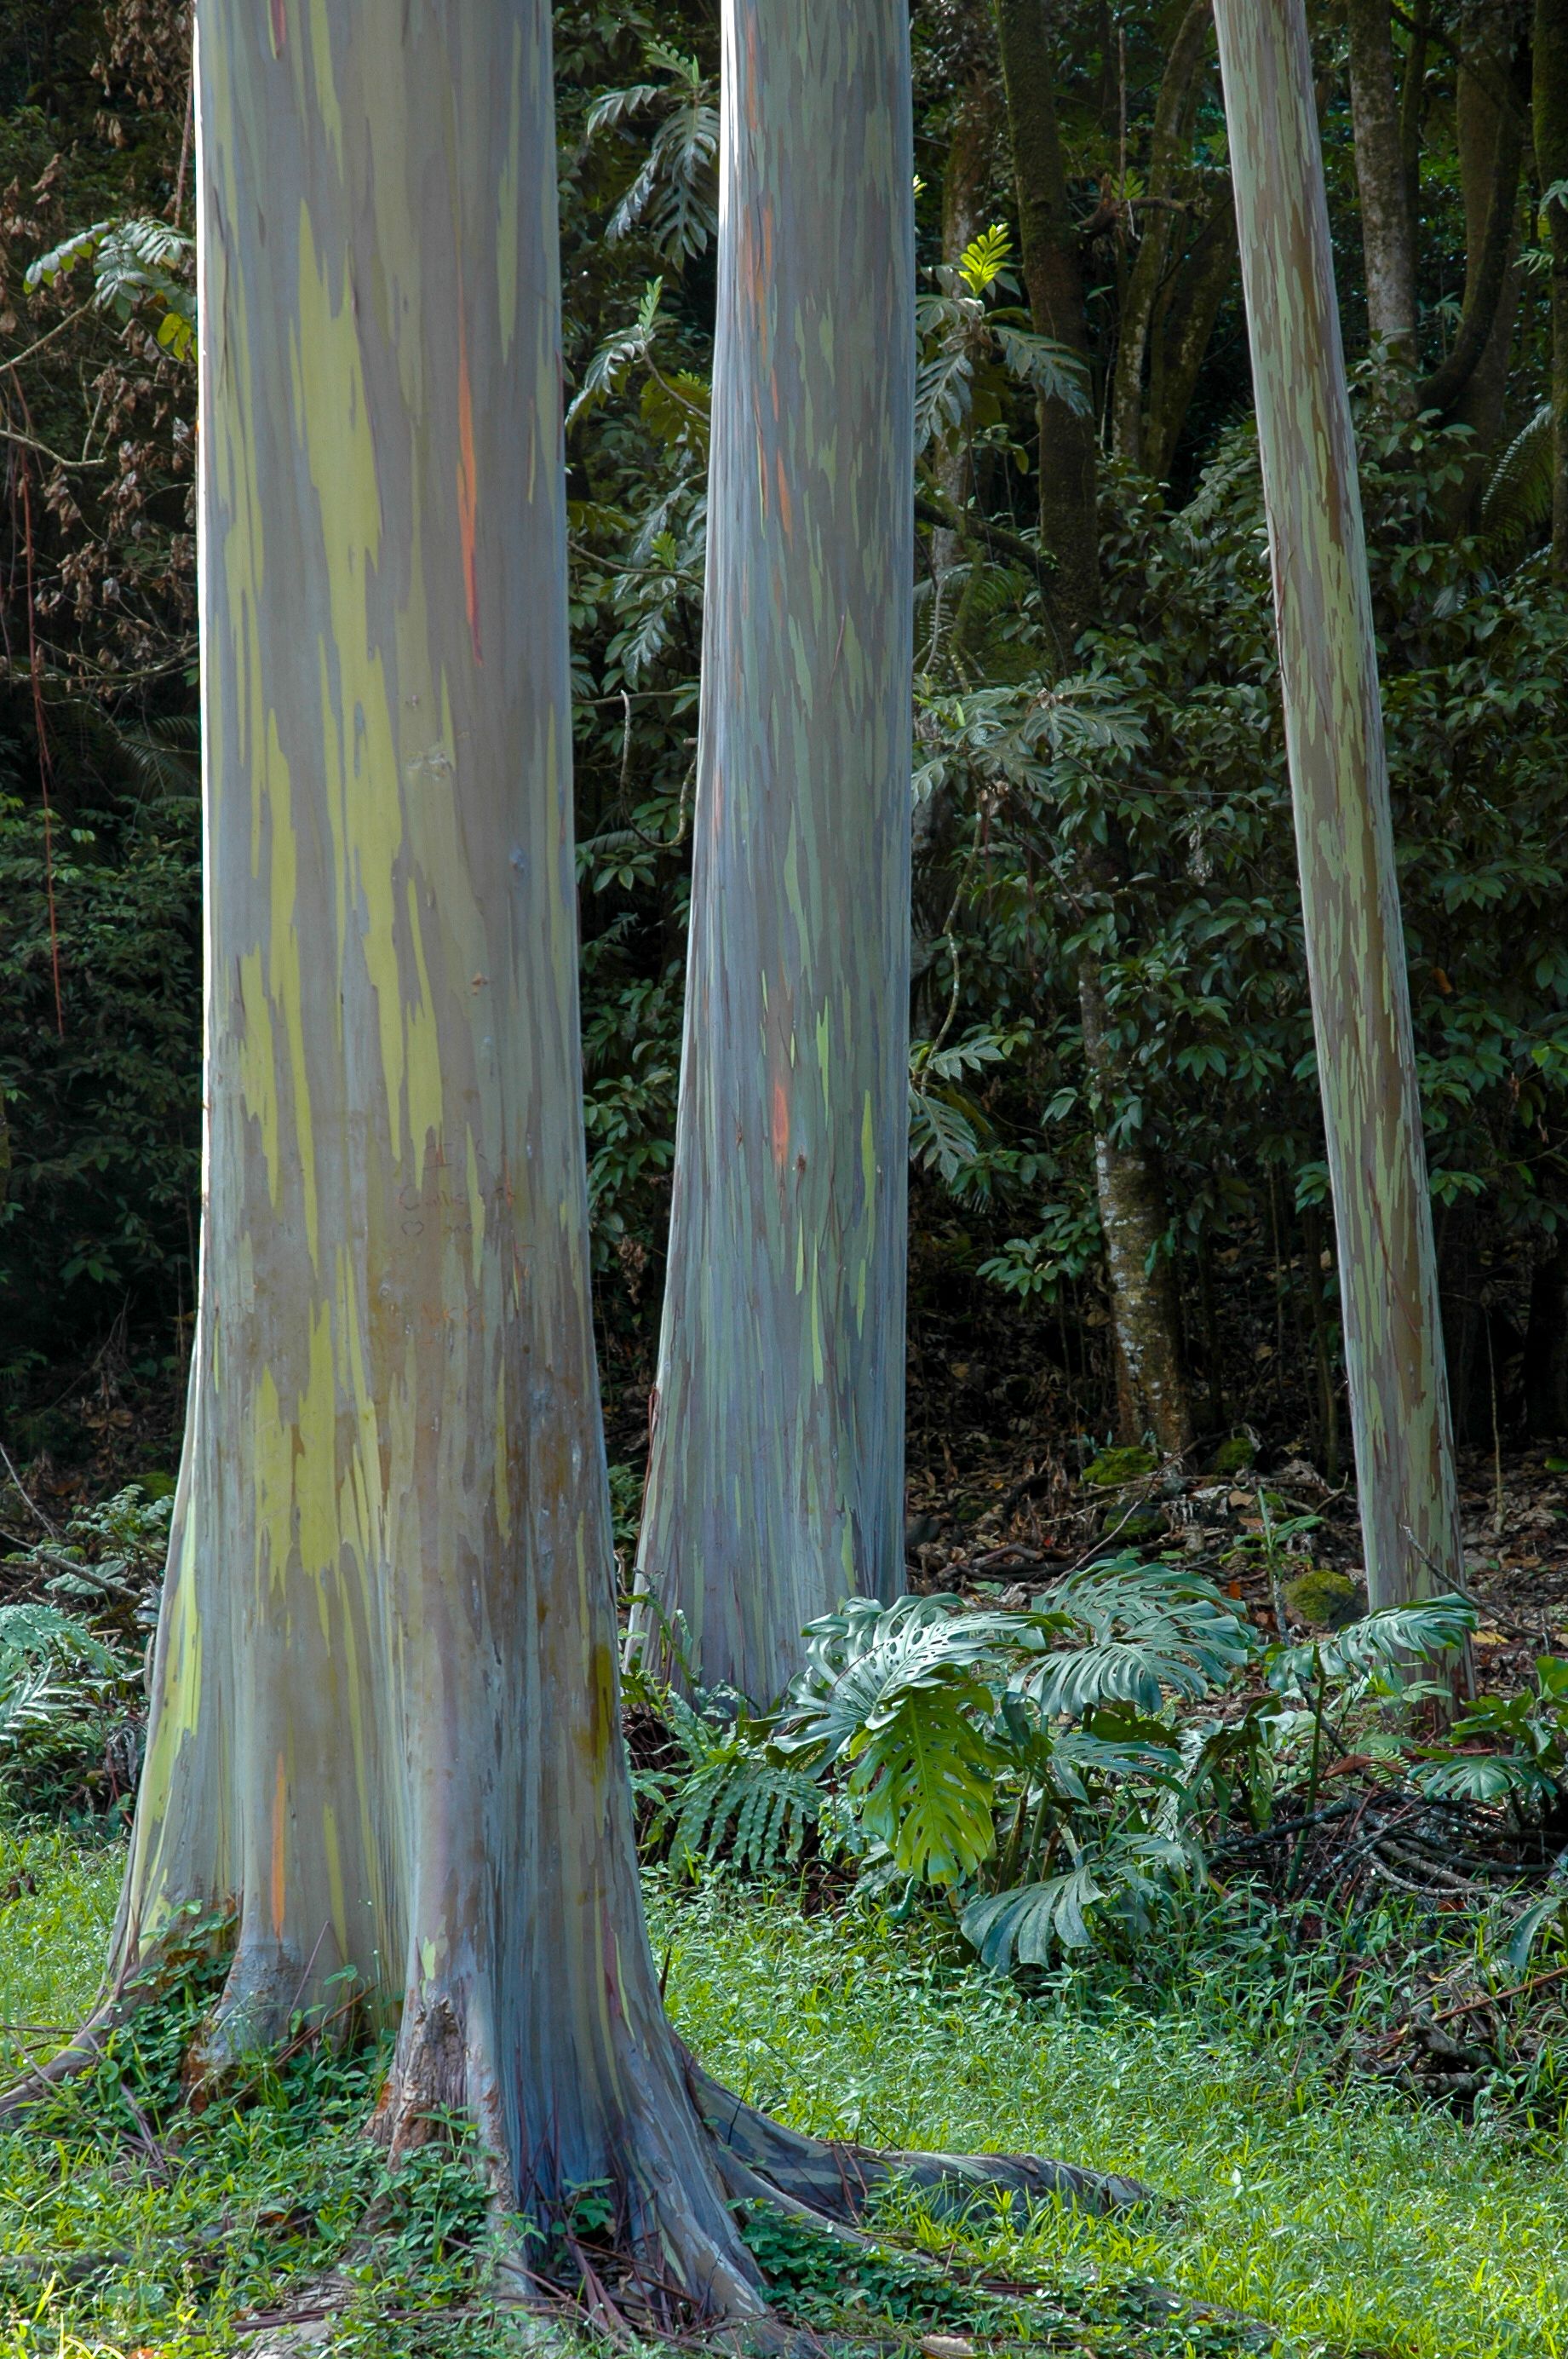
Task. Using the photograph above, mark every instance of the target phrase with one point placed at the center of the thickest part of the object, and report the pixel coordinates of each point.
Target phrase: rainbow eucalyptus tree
(775, 1480)
(1334, 732)
(384, 1720)
(384, 1733)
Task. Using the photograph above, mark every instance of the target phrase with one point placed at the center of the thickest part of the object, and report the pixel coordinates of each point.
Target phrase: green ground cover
(1354, 2222)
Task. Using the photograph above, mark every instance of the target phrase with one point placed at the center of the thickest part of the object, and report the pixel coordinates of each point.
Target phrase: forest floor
(989, 1515)
(1357, 2225)
(1313, 2177)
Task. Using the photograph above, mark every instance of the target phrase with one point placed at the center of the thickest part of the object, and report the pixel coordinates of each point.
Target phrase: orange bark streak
(279, 27)
(781, 1122)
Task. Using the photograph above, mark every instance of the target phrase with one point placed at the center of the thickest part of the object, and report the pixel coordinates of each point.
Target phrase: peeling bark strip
(384, 1712)
(777, 1477)
(1334, 731)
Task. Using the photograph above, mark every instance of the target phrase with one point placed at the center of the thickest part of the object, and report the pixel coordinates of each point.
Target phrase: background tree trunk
(1388, 241)
(965, 188)
(1152, 1391)
(775, 1483)
(1184, 325)
(1546, 1346)
(1490, 123)
(1491, 144)
(1169, 144)
(1412, 108)
(1550, 110)
(1069, 520)
(384, 1712)
(1151, 1387)
(1398, 1396)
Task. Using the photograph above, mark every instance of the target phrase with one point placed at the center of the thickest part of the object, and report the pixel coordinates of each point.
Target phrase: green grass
(53, 1937)
(1354, 2222)
(126, 2225)
(1350, 2220)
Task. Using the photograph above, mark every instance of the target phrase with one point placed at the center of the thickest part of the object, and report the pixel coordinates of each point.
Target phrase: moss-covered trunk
(776, 1482)
(1333, 728)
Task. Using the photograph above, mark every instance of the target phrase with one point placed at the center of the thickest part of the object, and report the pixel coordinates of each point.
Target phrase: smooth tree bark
(1334, 731)
(775, 1483)
(383, 1722)
(1549, 93)
(385, 1737)
(1387, 228)
(1135, 1221)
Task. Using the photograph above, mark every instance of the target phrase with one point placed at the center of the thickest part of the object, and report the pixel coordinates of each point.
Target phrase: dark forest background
(1157, 733)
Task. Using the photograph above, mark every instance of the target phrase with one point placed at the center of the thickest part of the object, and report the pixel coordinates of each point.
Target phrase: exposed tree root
(671, 2262)
(126, 1997)
(834, 2181)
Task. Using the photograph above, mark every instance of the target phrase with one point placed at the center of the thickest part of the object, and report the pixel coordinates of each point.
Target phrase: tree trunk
(1069, 524)
(1490, 136)
(1142, 1304)
(1333, 730)
(1546, 1347)
(1183, 324)
(1167, 157)
(1388, 239)
(1464, 1314)
(776, 1479)
(1412, 108)
(966, 185)
(1134, 1221)
(1550, 111)
(384, 1727)
(384, 1717)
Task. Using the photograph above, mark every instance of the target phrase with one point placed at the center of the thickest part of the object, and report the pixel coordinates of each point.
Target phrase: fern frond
(31, 1701)
(1055, 370)
(32, 1633)
(985, 258)
(1517, 501)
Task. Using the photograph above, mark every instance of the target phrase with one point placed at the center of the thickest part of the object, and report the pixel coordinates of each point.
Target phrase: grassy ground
(1353, 2221)
(55, 1907)
(1355, 2224)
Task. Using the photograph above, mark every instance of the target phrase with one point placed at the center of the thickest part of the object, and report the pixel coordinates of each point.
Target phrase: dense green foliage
(1159, 734)
(1067, 1773)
